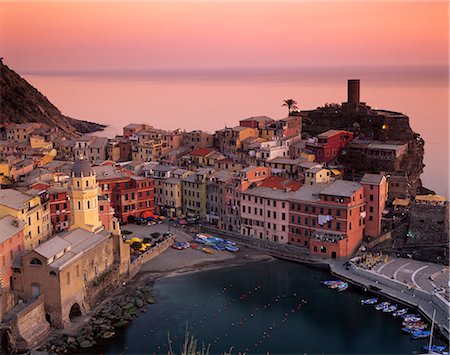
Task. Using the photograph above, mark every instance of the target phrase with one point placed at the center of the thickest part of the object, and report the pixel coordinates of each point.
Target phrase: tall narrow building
(83, 194)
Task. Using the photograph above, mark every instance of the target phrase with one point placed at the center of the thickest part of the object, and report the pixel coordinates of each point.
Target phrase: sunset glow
(46, 36)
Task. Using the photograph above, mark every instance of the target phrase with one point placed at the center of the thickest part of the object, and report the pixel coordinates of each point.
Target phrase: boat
(400, 312)
(438, 349)
(369, 301)
(419, 334)
(232, 248)
(411, 318)
(330, 282)
(342, 287)
(390, 309)
(382, 306)
(180, 245)
(219, 247)
(207, 251)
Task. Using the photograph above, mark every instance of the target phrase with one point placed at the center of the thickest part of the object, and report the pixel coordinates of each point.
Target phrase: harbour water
(209, 100)
(277, 307)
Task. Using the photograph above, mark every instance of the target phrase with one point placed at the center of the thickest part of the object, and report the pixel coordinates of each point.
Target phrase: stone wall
(429, 222)
(283, 251)
(135, 266)
(29, 327)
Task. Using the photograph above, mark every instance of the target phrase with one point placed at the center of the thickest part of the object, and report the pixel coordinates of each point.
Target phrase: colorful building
(12, 243)
(327, 145)
(328, 218)
(376, 193)
(265, 209)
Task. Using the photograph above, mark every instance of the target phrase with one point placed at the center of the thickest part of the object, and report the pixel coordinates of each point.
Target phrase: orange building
(328, 218)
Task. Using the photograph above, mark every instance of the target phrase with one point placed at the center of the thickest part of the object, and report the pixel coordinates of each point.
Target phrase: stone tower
(83, 194)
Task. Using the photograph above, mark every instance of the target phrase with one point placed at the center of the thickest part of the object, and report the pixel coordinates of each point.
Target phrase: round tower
(83, 192)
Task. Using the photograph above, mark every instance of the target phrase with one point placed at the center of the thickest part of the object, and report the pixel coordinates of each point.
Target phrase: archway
(75, 312)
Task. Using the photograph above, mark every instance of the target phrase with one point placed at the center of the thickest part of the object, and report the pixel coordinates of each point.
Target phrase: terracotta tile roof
(280, 183)
(202, 152)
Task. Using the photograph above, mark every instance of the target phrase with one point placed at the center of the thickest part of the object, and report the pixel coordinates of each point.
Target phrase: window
(68, 278)
(88, 204)
(371, 197)
(371, 207)
(52, 273)
(87, 183)
(283, 216)
(338, 226)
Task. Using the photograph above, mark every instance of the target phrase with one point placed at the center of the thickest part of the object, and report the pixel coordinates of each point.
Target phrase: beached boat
(207, 251)
(400, 312)
(382, 306)
(419, 334)
(232, 248)
(390, 309)
(369, 301)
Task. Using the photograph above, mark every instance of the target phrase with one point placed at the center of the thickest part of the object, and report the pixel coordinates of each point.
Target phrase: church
(66, 270)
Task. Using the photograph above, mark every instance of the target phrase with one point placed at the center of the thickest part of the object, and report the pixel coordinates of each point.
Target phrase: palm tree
(291, 105)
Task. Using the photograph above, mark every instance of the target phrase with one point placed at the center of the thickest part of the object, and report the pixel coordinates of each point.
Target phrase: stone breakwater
(105, 321)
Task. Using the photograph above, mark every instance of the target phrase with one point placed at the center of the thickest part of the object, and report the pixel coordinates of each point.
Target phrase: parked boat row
(336, 285)
(412, 323)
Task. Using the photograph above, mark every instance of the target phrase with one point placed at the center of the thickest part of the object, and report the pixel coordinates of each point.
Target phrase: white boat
(382, 306)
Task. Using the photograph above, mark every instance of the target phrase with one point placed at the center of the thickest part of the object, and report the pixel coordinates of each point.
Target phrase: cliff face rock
(20, 102)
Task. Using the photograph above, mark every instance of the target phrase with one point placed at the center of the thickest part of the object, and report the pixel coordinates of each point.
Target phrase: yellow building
(83, 194)
(73, 267)
(194, 193)
(31, 210)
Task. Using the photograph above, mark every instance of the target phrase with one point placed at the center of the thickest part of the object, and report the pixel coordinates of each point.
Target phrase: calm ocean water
(277, 307)
(209, 100)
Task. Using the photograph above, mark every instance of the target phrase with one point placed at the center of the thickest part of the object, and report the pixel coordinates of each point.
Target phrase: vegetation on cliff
(20, 102)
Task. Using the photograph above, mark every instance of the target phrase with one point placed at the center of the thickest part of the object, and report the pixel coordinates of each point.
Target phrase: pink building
(376, 193)
(11, 244)
(265, 209)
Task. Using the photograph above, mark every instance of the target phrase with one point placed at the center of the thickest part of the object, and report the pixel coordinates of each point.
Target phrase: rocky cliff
(20, 102)
(378, 125)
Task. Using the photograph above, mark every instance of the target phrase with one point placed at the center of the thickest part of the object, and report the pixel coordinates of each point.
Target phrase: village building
(376, 194)
(194, 193)
(328, 218)
(327, 145)
(65, 267)
(265, 209)
(30, 209)
(198, 139)
(12, 244)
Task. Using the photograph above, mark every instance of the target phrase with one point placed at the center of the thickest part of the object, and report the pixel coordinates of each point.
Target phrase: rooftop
(72, 243)
(202, 152)
(372, 179)
(331, 133)
(14, 199)
(82, 167)
(10, 226)
(276, 182)
(342, 188)
(257, 119)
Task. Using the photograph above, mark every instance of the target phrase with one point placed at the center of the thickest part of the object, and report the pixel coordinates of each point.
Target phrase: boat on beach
(369, 301)
(411, 318)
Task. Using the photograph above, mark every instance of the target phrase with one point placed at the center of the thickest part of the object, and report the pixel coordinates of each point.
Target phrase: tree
(291, 105)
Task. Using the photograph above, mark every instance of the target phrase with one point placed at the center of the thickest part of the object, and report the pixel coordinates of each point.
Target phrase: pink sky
(41, 36)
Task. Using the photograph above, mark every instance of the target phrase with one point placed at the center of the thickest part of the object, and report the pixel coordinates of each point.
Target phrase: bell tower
(83, 192)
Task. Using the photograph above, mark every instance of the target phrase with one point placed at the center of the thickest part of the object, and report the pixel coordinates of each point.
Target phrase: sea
(211, 99)
(274, 307)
